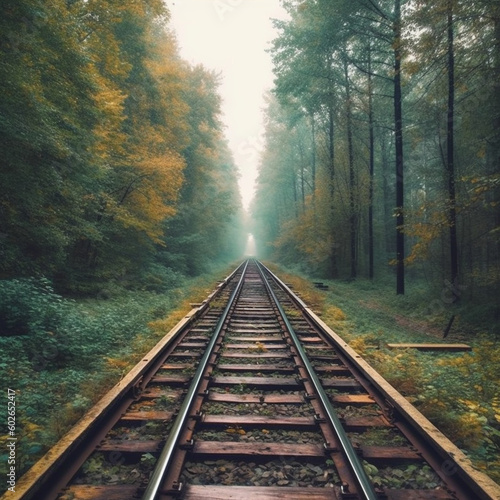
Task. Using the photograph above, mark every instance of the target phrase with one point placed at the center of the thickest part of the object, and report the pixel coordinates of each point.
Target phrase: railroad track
(253, 396)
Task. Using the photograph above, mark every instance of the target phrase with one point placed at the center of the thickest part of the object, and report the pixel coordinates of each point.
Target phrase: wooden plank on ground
(418, 495)
(206, 329)
(253, 331)
(262, 338)
(311, 339)
(353, 399)
(172, 379)
(259, 348)
(255, 398)
(255, 368)
(257, 381)
(92, 492)
(158, 392)
(326, 349)
(176, 366)
(362, 423)
(389, 454)
(134, 416)
(211, 492)
(432, 347)
(129, 446)
(185, 355)
(259, 420)
(261, 323)
(257, 313)
(263, 355)
(257, 449)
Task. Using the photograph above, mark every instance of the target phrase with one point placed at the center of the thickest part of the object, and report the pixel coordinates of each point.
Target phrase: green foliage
(148, 460)
(28, 306)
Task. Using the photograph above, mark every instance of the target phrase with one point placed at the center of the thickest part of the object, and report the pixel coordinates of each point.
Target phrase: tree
(47, 110)
(209, 202)
(312, 56)
(99, 140)
(398, 131)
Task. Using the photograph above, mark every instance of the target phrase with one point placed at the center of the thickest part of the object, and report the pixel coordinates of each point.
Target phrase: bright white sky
(230, 37)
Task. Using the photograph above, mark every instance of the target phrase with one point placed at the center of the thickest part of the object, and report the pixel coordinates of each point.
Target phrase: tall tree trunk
(450, 159)
(295, 194)
(371, 266)
(313, 167)
(388, 190)
(352, 177)
(331, 157)
(302, 180)
(331, 149)
(398, 122)
(313, 157)
(495, 143)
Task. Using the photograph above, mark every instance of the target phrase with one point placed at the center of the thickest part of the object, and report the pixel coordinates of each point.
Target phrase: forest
(119, 197)
(114, 164)
(383, 145)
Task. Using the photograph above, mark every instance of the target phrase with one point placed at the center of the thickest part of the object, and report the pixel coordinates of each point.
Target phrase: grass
(458, 392)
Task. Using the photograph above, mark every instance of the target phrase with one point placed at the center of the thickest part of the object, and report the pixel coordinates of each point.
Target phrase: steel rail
(167, 453)
(364, 482)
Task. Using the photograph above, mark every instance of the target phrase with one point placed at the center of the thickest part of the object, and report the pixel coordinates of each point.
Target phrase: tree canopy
(112, 145)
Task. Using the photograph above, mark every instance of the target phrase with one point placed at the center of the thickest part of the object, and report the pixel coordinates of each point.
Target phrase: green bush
(159, 278)
(28, 306)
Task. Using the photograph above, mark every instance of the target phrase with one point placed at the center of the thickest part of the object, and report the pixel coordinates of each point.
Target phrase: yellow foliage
(30, 428)
(358, 344)
(468, 428)
(117, 363)
(307, 235)
(236, 430)
(403, 370)
(336, 313)
(259, 347)
(149, 193)
(425, 232)
(486, 355)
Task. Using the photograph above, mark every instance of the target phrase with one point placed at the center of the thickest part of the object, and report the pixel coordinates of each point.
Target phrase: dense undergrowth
(61, 355)
(458, 392)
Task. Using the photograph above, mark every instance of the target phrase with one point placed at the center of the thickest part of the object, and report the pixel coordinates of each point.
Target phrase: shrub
(28, 306)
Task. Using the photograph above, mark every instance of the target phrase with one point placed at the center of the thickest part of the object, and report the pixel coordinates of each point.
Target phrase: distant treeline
(113, 162)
